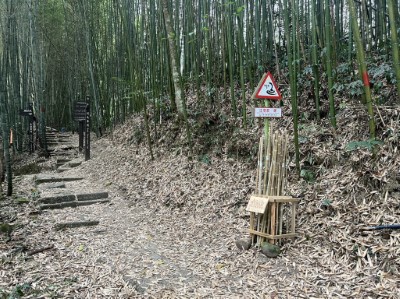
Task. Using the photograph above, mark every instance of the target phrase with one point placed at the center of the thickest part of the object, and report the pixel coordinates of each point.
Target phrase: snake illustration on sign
(268, 89)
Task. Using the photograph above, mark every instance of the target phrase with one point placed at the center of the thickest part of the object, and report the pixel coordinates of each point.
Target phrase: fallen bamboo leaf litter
(188, 214)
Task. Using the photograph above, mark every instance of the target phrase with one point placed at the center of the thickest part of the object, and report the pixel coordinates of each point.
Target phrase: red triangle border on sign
(269, 97)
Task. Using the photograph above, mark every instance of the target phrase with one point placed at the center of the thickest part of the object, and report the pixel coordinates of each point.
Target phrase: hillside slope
(170, 231)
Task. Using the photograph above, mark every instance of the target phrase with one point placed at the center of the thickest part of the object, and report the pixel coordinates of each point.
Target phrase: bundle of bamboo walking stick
(275, 219)
(271, 168)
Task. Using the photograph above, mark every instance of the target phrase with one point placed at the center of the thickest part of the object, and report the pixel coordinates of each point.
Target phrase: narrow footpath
(101, 229)
(99, 244)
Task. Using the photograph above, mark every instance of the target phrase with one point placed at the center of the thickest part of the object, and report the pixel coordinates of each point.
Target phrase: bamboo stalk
(279, 167)
(273, 221)
(284, 163)
(258, 169)
(280, 217)
(267, 162)
(293, 224)
(252, 226)
(272, 168)
(260, 165)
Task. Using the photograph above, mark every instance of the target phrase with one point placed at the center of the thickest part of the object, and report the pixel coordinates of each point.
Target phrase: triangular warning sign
(267, 89)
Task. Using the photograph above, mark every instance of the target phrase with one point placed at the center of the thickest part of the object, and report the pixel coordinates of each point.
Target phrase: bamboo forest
(139, 157)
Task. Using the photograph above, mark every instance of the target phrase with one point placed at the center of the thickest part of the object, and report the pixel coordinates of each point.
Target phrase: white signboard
(257, 204)
(267, 112)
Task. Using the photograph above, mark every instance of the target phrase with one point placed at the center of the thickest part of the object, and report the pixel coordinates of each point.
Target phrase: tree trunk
(173, 60)
(395, 43)
(180, 103)
(332, 111)
(2, 166)
(291, 44)
(315, 59)
(363, 67)
(5, 132)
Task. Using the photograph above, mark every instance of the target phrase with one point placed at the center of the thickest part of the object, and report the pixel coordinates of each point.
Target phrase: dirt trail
(138, 249)
(144, 248)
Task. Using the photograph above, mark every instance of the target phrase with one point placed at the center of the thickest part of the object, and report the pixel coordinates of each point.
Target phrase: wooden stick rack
(272, 215)
(278, 220)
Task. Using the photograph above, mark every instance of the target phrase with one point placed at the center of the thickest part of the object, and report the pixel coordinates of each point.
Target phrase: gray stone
(62, 169)
(63, 160)
(243, 244)
(52, 185)
(75, 163)
(270, 250)
(56, 178)
(92, 196)
(72, 204)
(57, 199)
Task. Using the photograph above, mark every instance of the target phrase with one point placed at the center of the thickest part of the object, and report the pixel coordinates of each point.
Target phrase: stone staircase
(55, 187)
(60, 144)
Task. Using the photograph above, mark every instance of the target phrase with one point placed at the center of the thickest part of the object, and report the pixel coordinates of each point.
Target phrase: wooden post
(80, 132)
(273, 221)
(87, 133)
(252, 227)
(293, 228)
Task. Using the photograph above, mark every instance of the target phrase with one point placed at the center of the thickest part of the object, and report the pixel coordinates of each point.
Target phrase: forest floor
(170, 227)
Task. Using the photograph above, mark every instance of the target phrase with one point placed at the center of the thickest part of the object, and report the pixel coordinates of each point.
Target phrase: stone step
(75, 163)
(57, 153)
(52, 185)
(72, 204)
(69, 147)
(57, 199)
(92, 196)
(68, 163)
(55, 178)
(63, 160)
(75, 224)
(63, 169)
(63, 197)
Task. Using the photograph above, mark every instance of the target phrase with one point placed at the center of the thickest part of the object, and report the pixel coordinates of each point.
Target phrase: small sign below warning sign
(267, 89)
(266, 112)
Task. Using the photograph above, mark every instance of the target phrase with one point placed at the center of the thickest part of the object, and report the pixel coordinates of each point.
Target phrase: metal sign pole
(80, 132)
(266, 122)
(32, 148)
(30, 114)
(81, 116)
(87, 133)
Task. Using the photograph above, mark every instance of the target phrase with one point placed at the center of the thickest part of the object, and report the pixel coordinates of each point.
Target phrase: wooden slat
(251, 220)
(273, 219)
(267, 159)
(260, 165)
(284, 200)
(280, 218)
(252, 225)
(293, 218)
(272, 198)
(268, 236)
